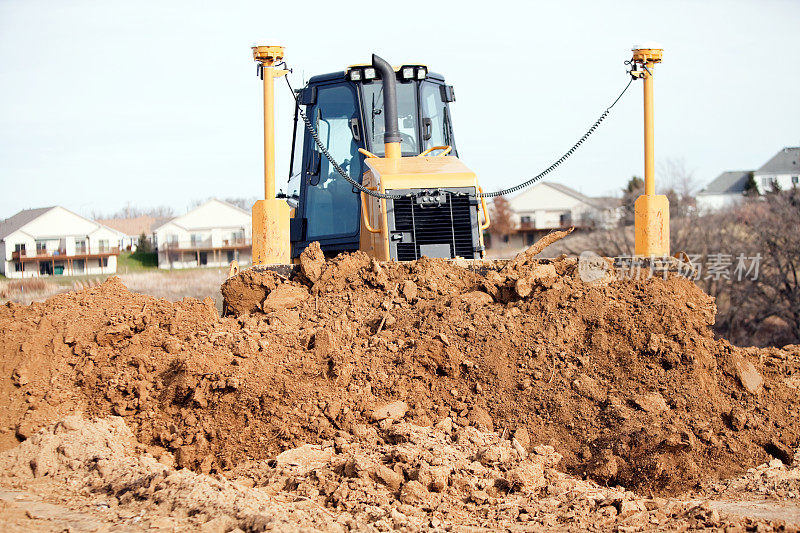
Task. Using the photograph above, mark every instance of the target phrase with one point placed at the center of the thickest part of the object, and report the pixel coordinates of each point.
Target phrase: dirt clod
(748, 376)
(394, 410)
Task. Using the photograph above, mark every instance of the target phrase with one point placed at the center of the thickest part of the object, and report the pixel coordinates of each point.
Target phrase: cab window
(331, 206)
(406, 117)
(435, 119)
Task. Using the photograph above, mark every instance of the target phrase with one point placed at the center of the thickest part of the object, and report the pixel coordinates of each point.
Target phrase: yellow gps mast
(651, 221)
(271, 244)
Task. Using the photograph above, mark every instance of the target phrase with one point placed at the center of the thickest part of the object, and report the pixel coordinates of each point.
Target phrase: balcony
(61, 253)
(527, 225)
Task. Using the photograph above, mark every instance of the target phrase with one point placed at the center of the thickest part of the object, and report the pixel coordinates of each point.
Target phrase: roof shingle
(729, 182)
(787, 161)
(134, 226)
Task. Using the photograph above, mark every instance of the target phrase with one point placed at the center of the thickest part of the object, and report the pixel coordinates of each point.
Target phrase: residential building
(725, 191)
(782, 170)
(55, 241)
(547, 206)
(133, 228)
(210, 235)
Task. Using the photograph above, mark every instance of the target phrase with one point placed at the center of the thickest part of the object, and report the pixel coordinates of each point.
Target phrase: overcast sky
(104, 103)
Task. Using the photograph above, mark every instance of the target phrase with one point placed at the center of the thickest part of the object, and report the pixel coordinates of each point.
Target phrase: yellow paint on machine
(651, 220)
(651, 211)
(388, 174)
(271, 242)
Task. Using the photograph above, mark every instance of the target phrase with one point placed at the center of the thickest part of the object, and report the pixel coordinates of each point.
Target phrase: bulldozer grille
(438, 223)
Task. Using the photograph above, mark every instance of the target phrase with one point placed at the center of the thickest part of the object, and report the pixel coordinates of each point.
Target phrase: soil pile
(622, 377)
(419, 478)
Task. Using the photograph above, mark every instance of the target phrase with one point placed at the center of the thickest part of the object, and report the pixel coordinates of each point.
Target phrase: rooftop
(134, 226)
(787, 161)
(729, 182)
(12, 224)
(598, 202)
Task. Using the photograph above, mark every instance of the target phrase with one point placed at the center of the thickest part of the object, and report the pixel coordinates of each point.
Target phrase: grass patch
(132, 262)
(19, 287)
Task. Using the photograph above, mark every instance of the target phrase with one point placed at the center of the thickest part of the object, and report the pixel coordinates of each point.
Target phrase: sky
(146, 103)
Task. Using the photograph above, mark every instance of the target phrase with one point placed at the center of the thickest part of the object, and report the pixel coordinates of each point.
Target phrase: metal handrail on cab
(367, 153)
(370, 155)
(487, 222)
(446, 148)
(364, 216)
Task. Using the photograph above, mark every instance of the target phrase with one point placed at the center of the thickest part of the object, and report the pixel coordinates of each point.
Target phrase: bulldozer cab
(347, 110)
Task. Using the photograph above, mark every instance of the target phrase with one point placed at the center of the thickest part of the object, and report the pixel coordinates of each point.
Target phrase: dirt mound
(420, 478)
(622, 377)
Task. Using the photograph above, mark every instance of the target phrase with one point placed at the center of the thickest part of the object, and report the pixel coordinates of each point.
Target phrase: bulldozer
(379, 169)
(390, 130)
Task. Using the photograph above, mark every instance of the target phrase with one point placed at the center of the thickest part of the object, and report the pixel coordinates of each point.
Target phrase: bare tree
(678, 185)
(502, 217)
(772, 232)
(130, 211)
(633, 190)
(241, 203)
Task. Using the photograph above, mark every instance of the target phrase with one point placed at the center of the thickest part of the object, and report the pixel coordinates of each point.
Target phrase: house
(547, 206)
(726, 190)
(55, 241)
(133, 228)
(210, 235)
(782, 170)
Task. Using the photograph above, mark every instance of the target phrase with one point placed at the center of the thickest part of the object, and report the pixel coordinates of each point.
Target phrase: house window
(525, 220)
(104, 261)
(237, 237)
(231, 255)
(80, 246)
(19, 247)
(102, 245)
(795, 179)
(196, 238)
(41, 247)
(17, 267)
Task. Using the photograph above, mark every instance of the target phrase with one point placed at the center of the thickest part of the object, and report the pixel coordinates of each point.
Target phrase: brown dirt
(92, 475)
(623, 377)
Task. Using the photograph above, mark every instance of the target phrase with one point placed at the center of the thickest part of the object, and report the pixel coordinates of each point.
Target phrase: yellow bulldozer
(379, 169)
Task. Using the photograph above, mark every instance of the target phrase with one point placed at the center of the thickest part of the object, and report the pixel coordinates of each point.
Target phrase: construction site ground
(356, 395)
